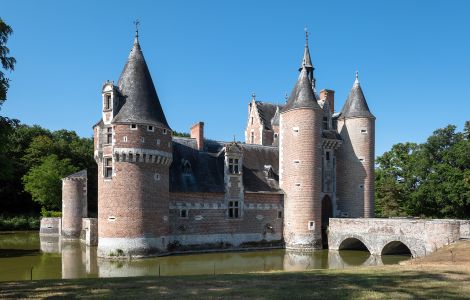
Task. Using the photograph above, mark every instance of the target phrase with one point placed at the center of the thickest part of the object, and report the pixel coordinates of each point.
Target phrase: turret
(355, 178)
(133, 151)
(300, 162)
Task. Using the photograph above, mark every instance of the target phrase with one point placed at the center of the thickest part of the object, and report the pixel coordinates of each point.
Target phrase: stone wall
(50, 226)
(74, 205)
(89, 234)
(420, 236)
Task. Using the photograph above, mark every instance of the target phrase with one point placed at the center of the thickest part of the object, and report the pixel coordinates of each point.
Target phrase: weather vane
(306, 33)
(137, 23)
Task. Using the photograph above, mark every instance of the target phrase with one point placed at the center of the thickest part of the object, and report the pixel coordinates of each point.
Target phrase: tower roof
(302, 95)
(136, 86)
(356, 104)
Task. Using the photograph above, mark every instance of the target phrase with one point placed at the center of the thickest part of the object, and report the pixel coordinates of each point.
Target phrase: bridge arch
(396, 248)
(353, 243)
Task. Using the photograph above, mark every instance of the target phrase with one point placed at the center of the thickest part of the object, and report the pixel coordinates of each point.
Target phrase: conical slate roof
(356, 104)
(136, 86)
(302, 95)
(306, 60)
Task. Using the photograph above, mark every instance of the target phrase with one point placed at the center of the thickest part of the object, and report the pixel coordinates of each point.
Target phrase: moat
(24, 253)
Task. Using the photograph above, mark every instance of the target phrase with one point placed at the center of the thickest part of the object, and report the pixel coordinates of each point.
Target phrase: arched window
(186, 166)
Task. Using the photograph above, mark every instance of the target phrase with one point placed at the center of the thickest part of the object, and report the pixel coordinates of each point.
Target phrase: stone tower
(74, 204)
(300, 162)
(133, 149)
(355, 178)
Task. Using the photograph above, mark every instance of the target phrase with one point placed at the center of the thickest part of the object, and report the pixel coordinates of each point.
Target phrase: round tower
(300, 163)
(74, 204)
(356, 157)
(134, 151)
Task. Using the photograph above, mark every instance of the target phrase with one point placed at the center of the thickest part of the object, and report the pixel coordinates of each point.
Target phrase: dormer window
(164, 131)
(233, 166)
(107, 101)
(150, 128)
(133, 126)
(109, 135)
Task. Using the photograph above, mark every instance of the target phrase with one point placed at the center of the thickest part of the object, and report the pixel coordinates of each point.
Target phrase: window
(164, 131)
(184, 213)
(108, 167)
(251, 120)
(295, 129)
(109, 135)
(275, 135)
(364, 131)
(279, 214)
(142, 139)
(156, 177)
(327, 155)
(150, 128)
(296, 161)
(150, 158)
(311, 225)
(137, 157)
(107, 101)
(133, 126)
(325, 122)
(233, 209)
(130, 157)
(252, 138)
(124, 139)
(233, 166)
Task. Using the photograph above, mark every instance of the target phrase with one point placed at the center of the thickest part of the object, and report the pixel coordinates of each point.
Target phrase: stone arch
(353, 243)
(326, 214)
(396, 248)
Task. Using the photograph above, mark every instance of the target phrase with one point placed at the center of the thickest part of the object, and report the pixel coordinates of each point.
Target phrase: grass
(445, 277)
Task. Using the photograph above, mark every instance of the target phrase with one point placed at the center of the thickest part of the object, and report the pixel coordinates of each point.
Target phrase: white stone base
(235, 239)
(131, 247)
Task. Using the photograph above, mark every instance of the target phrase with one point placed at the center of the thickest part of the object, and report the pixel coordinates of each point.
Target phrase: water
(23, 254)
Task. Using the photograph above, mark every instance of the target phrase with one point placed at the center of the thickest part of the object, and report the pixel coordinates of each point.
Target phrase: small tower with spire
(355, 172)
(133, 150)
(300, 152)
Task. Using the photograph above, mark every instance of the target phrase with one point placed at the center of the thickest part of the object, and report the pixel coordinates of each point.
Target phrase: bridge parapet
(420, 236)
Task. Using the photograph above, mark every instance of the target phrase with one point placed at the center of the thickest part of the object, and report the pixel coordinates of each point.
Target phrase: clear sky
(207, 57)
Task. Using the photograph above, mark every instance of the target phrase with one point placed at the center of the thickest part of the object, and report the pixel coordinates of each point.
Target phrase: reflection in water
(60, 258)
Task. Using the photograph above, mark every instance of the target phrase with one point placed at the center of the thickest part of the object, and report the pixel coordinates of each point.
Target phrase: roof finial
(306, 35)
(137, 23)
(357, 77)
(253, 95)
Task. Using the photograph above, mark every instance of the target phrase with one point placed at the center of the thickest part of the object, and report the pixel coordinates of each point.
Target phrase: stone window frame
(233, 165)
(364, 130)
(108, 103)
(133, 126)
(109, 135)
(184, 213)
(150, 128)
(325, 123)
(108, 167)
(233, 209)
(279, 214)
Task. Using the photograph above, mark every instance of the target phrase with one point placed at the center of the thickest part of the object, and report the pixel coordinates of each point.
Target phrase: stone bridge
(392, 236)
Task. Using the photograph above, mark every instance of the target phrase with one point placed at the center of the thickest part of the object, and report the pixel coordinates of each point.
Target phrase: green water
(25, 254)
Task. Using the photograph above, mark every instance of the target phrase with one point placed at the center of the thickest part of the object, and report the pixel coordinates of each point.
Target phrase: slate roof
(207, 167)
(266, 112)
(356, 104)
(302, 95)
(79, 174)
(141, 103)
(275, 119)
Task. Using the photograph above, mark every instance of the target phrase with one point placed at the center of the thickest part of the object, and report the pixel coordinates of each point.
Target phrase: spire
(302, 95)
(356, 104)
(141, 103)
(136, 23)
(306, 60)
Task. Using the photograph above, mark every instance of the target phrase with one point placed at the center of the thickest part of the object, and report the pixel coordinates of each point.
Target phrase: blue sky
(207, 57)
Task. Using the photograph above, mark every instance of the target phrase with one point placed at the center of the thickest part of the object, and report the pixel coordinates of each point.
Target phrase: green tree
(43, 182)
(8, 62)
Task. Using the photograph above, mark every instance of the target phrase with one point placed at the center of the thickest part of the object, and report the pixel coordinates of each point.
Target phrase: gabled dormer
(110, 101)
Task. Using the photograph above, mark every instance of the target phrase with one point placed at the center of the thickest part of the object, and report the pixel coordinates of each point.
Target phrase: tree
(43, 182)
(8, 62)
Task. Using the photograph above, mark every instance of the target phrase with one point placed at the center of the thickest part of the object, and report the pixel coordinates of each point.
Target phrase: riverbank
(444, 274)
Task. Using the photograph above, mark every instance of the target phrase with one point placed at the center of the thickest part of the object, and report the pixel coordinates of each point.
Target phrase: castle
(301, 164)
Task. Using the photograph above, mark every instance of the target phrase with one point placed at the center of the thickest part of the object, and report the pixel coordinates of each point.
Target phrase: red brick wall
(353, 199)
(302, 203)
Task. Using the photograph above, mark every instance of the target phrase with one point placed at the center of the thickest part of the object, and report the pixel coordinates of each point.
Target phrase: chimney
(197, 132)
(329, 95)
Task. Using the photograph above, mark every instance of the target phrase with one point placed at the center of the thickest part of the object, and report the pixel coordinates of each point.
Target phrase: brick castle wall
(300, 177)
(355, 167)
